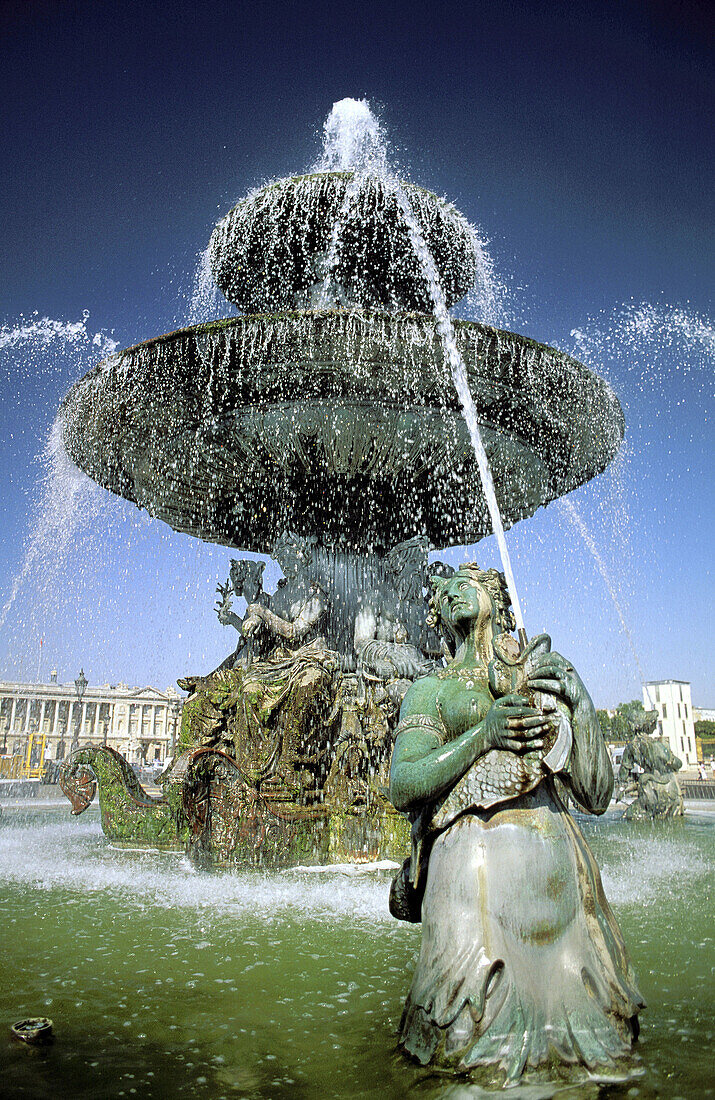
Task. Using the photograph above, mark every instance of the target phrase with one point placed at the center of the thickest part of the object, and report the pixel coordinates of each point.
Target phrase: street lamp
(174, 711)
(80, 686)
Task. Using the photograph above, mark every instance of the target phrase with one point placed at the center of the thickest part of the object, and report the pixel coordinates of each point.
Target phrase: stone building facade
(141, 722)
(671, 699)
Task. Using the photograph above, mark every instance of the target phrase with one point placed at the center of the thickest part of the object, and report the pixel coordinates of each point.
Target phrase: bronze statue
(391, 617)
(245, 579)
(522, 961)
(647, 774)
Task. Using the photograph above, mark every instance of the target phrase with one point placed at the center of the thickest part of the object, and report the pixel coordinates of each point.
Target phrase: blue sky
(576, 136)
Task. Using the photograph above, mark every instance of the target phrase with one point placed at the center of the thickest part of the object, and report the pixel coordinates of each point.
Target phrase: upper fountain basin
(338, 423)
(335, 238)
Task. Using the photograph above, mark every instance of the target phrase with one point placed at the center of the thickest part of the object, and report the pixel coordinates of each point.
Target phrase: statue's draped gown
(521, 956)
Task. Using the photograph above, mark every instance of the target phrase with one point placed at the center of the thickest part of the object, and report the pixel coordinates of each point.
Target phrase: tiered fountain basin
(326, 413)
(343, 423)
(310, 237)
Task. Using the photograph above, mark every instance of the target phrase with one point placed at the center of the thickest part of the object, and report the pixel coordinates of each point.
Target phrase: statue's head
(294, 553)
(406, 566)
(468, 595)
(246, 575)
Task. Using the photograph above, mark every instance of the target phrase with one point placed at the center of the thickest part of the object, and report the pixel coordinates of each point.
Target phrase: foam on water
(72, 855)
(641, 868)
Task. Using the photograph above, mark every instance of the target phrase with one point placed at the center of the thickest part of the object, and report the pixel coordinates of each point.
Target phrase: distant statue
(647, 774)
(392, 615)
(522, 961)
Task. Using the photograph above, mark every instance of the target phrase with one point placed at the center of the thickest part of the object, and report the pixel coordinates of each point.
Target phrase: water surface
(164, 982)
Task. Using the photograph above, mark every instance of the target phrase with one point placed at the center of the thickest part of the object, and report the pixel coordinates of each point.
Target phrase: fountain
(341, 427)
(270, 983)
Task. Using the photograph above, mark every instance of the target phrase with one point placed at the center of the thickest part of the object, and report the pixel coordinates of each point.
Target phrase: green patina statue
(647, 774)
(522, 963)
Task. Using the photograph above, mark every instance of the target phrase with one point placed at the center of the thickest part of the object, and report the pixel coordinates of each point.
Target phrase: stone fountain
(320, 426)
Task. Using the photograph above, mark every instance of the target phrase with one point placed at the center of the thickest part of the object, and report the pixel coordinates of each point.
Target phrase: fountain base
(279, 773)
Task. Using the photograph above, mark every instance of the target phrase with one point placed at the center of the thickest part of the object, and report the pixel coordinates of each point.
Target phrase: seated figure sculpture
(262, 713)
(393, 613)
(245, 579)
(647, 774)
(522, 962)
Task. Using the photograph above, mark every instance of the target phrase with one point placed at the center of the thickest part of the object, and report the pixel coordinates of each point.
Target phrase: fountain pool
(162, 982)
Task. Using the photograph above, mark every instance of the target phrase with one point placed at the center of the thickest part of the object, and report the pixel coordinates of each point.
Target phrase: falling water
(66, 494)
(41, 333)
(445, 329)
(206, 303)
(646, 345)
(574, 516)
(67, 497)
(353, 140)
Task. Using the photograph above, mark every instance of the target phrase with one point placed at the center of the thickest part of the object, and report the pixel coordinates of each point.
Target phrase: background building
(671, 699)
(41, 720)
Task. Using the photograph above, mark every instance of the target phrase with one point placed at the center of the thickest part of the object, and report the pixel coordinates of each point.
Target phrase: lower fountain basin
(341, 423)
(259, 984)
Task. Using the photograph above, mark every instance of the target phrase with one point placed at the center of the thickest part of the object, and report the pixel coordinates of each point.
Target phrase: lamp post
(80, 686)
(174, 711)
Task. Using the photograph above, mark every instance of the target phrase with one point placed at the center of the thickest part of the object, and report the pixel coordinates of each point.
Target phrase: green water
(162, 982)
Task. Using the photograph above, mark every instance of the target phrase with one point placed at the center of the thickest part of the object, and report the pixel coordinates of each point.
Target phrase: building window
(665, 711)
(685, 708)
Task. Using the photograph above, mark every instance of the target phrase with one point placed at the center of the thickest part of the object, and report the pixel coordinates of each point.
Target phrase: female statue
(263, 712)
(522, 962)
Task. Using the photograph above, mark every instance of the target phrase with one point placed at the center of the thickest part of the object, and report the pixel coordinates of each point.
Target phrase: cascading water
(459, 376)
(353, 140)
(263, 984)
(67, 496)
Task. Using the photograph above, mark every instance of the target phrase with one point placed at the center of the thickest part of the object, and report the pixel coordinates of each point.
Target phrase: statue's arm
(226, 616)
(308, 616)
(588, 773)
(365, 628)
(424, 767)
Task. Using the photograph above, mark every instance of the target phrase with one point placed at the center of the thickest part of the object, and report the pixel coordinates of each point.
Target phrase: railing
(699, 788)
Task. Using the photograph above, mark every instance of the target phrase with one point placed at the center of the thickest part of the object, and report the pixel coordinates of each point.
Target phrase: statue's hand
(512, 725)
(223, 606)
(555, 676)
(252, 619)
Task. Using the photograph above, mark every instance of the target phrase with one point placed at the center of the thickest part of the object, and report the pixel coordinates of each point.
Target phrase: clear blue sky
(577, 136)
